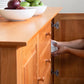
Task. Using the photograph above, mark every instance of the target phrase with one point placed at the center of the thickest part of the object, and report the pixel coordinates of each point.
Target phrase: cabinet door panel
(47, 77)
(45, 60)
(69, 81)
(70, 67)
(44, 55)
(30, 70)
(29, 49)
(44, 37)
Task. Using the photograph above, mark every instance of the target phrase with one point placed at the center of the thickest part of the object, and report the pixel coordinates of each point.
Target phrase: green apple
(41, 3)
(30, 0)
(35, 3)
(25, 4)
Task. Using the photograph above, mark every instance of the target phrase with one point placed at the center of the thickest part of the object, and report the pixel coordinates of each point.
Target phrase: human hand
(61, 48)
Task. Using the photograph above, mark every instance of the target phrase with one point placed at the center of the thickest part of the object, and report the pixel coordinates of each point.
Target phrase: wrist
(63, 43)
(66, 49)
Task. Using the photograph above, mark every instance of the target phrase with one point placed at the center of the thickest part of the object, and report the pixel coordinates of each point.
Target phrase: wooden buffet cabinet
(25, 49)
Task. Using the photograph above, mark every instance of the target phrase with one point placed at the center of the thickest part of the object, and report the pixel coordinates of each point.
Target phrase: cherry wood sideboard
(25, 49)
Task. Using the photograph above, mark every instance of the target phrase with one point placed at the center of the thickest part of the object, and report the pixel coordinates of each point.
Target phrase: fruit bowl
(17, 15)
(39, 9)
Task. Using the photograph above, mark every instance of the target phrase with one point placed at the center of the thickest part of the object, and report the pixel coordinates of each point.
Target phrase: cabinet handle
(48, 34)
(48, 60)
(40, 78)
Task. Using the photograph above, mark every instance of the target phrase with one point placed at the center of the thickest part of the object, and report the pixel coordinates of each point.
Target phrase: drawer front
(30, 62)
(30, 68)
(47, 79)
(44, 37)
(29, 49)
(45, 60)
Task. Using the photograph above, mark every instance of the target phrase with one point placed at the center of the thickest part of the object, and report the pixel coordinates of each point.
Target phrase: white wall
(3, 3)
(69, 6)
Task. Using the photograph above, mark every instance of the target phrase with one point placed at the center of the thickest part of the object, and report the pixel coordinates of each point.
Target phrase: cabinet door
(70, 67)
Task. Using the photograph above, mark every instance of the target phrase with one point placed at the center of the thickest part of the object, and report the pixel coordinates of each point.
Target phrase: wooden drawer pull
(48, 60)
(48, 34)
(40, 79)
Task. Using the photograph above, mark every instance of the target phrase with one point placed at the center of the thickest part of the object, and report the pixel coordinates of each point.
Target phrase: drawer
(47, 78)
(30, 68)
(30, 49)
(45, 60)
(44, 37)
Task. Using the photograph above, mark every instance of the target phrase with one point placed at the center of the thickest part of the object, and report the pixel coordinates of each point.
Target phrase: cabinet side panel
(0, 65)
(8, 65)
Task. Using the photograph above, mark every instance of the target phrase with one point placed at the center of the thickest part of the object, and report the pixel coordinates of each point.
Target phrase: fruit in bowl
(25, 4)
(41, 3)
(13, 4)
(20, 7)
(30, 0)
(15, 12)
(36, 4)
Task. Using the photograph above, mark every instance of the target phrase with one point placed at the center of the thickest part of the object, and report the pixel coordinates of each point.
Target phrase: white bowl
(17, 15)
(39, 9)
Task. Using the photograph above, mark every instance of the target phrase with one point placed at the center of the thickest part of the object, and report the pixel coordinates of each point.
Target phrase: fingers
(58, 50)
(53, 42)
(55, 53)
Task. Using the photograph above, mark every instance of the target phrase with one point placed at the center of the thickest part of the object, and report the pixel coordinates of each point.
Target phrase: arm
(75, 52)
(77, 44)
(65, 49)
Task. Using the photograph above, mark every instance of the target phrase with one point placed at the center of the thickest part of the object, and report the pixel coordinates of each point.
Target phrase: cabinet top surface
(18, 33)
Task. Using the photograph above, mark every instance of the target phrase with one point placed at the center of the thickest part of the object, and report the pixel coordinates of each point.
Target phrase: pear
(25, 4)
(38, 1)
(30, 0)
(35, 3)
(41, 3)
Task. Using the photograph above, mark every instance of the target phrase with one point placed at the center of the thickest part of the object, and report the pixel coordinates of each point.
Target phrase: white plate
(39, 9)
(17, 15)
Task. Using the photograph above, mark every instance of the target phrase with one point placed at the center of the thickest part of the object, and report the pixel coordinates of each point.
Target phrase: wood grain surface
(8, 65)
(21, 51)
(70, 67)
(19, 32)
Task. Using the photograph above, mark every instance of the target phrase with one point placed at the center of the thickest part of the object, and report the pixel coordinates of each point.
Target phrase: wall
(3, 3)
(69, 6)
